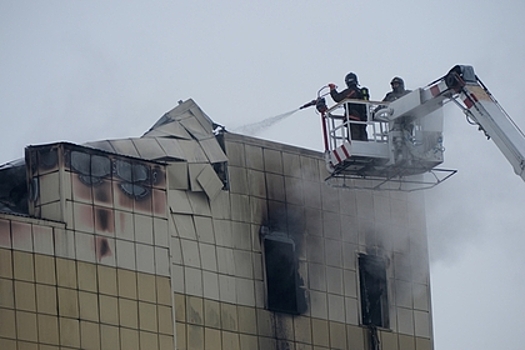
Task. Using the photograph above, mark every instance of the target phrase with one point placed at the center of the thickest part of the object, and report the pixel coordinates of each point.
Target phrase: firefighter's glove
(332, 86)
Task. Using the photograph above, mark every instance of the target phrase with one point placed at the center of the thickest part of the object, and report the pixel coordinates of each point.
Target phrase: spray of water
(256, 128)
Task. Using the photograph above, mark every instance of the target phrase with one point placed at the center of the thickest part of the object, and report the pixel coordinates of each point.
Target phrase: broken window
(221, 168)
(374, 297)
(281, 275)
(13, 187)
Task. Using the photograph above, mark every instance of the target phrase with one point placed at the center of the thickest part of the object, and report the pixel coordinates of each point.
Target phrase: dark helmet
(397, 80)
(351, 79)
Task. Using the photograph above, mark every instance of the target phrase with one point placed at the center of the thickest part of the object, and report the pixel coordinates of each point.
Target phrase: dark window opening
(374, 296)
(13, 188)
(281, 275)
(221, 168)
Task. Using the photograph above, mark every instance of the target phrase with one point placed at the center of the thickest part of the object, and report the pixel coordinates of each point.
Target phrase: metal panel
(180, 111)
(179, 202)
(213, 150)
(210, 182)
(195, 128)
(149, 148)
(194, 170)
(178, 176)
(170, 129)
(200, 203)
(172, 148)
(103, 145)
(203, 119)
(125, 147)
(192, 151)
(369, 149)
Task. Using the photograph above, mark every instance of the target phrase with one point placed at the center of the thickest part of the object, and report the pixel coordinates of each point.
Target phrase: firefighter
(398, 90)
(356, 111)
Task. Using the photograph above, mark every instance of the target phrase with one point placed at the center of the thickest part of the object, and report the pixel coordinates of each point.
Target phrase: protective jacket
(353, 92)
(356, 111)
(394, 95)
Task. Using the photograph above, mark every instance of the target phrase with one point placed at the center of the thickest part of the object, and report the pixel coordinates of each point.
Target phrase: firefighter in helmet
(356, 111)
(398, 90)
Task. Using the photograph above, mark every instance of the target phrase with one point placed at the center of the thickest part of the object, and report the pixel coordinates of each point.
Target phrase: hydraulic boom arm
(479, 104)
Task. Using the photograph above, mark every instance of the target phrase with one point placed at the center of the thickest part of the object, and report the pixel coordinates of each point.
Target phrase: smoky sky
(89, 70)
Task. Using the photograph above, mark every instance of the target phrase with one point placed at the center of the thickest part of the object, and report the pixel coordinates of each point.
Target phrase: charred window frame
(374, 293)
(282, 282)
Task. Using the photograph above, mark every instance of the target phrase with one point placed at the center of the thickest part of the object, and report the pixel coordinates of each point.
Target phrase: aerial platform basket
(403, 145)
(399, 153)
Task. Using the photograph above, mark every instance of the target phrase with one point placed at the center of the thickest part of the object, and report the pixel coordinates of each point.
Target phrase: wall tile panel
(9, 325)
(89, 335)
(245, 292)
(125, 253)
(211, 285)
(23, 266)
(190, 253)
(405, 321)
(25, 297)
(422, 324)
(143, 228)
(318, 305)
(352, 311)
(129, 339)
(128, 313)
(193, 281)
(46, 299)
(85, 247)
(145, 258)
(43, 240)
(124, 225)
(257, 184)
(48, 330)
(161, 232)
(21, 236)
(227, 289)
(7, 294)
(26, 326)
(88, 306)
(5, 234)
(162, 261)
(254, 157)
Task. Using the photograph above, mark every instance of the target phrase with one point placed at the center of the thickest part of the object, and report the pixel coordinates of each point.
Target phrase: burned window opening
(374, 295)
(14, 188)
(282, 280)
(221, 168)
(91, 168)
(47, 158)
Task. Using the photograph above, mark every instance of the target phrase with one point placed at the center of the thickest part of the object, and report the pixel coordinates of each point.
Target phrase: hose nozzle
(309, 104)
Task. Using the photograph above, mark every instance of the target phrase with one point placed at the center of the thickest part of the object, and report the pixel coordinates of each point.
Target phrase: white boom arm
(468, 92)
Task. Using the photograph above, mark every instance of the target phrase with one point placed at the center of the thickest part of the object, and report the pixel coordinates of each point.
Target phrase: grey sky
(89, 70)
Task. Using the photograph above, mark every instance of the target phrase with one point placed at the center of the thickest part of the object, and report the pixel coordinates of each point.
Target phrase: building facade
(191, 237)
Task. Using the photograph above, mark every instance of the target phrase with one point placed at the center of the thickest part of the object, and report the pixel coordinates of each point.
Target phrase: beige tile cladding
(49, 302)
(208, 324)
(118, 245)
(72, 299)
(283, 187)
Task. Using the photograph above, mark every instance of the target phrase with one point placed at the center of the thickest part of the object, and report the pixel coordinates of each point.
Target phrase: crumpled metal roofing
(185, 133)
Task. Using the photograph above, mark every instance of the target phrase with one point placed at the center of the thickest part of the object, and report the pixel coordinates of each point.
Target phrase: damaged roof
(184, 135)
